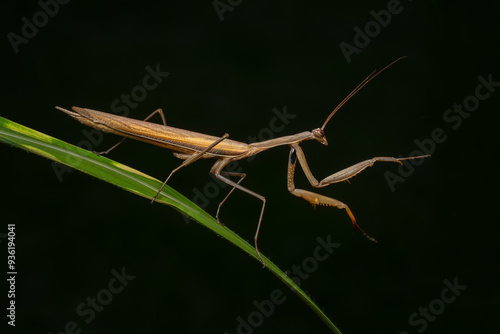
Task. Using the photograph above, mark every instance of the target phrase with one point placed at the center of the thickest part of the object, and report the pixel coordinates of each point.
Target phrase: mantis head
(319, 135)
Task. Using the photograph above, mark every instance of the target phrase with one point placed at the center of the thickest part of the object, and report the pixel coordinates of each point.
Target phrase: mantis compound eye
(319, 135)
(319, 132)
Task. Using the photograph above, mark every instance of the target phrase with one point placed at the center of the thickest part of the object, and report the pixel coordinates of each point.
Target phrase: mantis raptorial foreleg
(343, 175)
(159, 111)
(192, 158)
(217, 171)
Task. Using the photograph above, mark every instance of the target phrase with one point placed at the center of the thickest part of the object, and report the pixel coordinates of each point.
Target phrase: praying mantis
(191, 146)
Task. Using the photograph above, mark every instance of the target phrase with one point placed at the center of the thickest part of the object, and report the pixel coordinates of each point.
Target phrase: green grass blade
(138, 183)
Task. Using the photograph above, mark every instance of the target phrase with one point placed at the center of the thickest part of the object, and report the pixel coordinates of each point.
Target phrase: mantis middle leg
(190, 159)
(217, 171)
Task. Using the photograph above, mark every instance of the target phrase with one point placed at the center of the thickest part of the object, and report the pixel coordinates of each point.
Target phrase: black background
(227, 76)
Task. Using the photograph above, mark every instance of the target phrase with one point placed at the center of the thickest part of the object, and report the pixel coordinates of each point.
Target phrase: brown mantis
(191, 146)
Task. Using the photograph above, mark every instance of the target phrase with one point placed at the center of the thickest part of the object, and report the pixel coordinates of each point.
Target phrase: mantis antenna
(357, 89)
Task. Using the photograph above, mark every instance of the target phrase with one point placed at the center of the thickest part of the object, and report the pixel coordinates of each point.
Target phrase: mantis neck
(286, 140)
